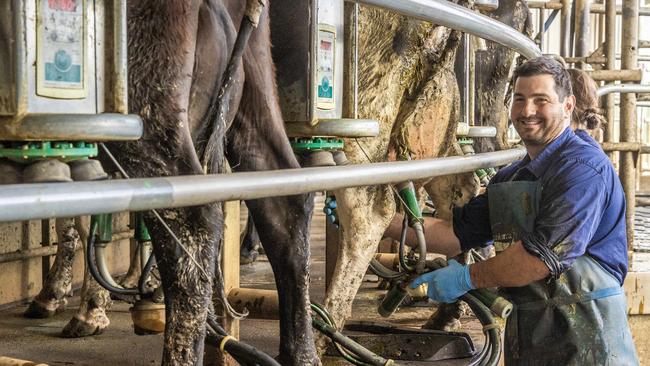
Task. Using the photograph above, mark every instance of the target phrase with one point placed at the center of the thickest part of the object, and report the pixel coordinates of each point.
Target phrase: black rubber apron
(578, 319)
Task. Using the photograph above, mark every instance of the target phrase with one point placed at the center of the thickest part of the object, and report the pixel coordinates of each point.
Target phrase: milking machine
(310, 57)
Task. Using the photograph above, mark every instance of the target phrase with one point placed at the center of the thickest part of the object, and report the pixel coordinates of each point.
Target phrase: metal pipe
(52, 249)
(600, 9)
(454, 16)
(482, 131)
(595, 8)
(565, 26)
(120, 62)
(542, 28)
(582, 29)
(33, 201)
(54, 127)
(614, 75)
(49, 250)
(626, 146)
(466, 86)
(610, 53)
(623, 88)
(627, 166)
(356, 61)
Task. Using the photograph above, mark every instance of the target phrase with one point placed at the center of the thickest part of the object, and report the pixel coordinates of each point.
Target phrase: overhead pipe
(35, 201)
(623, 88)
(454, 16)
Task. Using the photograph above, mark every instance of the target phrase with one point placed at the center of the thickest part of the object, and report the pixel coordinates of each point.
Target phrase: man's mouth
(529, 122)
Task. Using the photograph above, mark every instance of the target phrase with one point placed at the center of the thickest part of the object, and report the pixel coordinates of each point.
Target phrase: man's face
(536, 112)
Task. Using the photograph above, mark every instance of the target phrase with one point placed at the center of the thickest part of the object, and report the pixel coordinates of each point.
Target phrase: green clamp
(28, 152)
(406, 191)
(141, 232)
(104, 227)
(300, 144)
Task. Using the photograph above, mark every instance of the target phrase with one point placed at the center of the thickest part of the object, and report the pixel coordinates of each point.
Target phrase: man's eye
(541, 100)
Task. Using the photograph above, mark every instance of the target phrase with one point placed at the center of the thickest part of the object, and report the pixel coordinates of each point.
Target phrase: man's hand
(446, 284)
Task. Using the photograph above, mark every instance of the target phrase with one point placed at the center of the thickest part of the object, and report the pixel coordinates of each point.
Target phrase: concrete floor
(38, 339)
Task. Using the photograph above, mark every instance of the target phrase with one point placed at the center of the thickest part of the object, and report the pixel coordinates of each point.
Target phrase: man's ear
(569, 104)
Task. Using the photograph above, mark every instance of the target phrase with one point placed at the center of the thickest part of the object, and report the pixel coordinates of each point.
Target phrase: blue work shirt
(582, 207)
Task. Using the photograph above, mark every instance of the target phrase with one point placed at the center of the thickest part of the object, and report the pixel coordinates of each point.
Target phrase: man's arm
(439, 235)
(514, 267)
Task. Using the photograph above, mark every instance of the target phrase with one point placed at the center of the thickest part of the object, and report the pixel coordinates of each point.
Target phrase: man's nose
(528, 109)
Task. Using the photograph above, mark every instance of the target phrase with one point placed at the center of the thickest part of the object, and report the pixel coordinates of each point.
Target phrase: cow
(407, 82)
(178, 54)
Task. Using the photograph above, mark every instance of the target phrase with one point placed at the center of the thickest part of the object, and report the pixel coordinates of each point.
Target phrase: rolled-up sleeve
(571, 207)
(471, 223)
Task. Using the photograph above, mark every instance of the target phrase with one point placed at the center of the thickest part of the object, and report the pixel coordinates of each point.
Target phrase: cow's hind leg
(257, 141)
(58, 284)
(249, 248)
(90, 318)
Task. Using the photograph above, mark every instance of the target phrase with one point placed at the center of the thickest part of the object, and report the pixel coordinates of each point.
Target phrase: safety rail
(454, 16)
(36, 201)
(623, 88)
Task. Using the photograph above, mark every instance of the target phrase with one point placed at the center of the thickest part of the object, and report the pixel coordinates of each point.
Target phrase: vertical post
(582, 30)
(629, 43)
(542, 34)
(610, 53)
(120, 63)
(466, 66)
(46, 241)
(230, 266)
(565, 26)
(472, 81)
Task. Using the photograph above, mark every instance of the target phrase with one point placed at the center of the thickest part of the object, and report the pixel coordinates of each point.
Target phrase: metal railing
(33, 201)
(623, 88)
(454, 16)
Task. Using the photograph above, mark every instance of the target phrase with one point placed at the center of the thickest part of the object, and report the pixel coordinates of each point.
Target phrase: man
(557, 219)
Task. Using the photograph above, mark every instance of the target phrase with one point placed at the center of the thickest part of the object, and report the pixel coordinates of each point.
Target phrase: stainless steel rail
(623, 88)
(454, 16)
(34, 201)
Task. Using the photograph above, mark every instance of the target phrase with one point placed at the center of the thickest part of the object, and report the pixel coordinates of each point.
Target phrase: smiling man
(557, 220)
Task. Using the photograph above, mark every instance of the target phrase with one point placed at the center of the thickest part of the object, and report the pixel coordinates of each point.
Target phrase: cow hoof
(38, 311)
(443, 322)
(247, 257)
(77, 328)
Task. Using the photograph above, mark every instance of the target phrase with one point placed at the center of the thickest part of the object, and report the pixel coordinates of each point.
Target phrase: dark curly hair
(586, 112)
(546, 65)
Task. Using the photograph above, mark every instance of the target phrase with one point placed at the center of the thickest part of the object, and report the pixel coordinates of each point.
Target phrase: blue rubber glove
(330, 211)
(446, 284)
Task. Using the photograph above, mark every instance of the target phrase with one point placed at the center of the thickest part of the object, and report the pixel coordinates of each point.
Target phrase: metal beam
(623, 88)
(33, 201)
(454, 16)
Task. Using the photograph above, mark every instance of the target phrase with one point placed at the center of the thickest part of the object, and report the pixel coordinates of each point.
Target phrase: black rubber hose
(243, 353)
(402, 244)
(219, 105)
(142, 281)
(92, 267)
(484, 315)
(361, 352)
